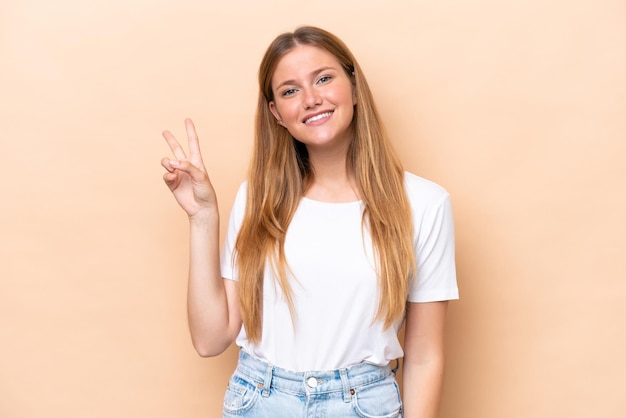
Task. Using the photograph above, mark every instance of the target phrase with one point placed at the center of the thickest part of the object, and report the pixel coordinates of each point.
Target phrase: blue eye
(288, 92)
(324, 79)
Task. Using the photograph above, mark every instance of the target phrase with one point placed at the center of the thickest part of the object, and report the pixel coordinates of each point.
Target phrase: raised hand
(186, 177)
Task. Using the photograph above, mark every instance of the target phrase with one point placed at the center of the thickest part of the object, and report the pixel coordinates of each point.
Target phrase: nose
(311, 98)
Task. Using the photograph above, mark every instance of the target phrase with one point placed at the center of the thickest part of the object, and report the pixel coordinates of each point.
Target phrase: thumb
(197, 175)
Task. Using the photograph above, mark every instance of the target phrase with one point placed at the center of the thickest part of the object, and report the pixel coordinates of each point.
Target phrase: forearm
(207, 303)
(424, 359)
(422, 386)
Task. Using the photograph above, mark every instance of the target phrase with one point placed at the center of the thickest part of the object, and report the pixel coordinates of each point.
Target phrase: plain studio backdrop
(517, 107)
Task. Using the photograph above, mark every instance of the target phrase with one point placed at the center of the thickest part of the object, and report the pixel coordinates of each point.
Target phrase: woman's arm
(212, 305)
(423, 364)
(212, 302)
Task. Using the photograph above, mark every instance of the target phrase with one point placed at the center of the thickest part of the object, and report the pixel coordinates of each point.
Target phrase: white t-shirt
(335, 286)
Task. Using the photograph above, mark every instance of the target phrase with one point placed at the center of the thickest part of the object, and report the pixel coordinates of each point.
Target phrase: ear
(274, 111)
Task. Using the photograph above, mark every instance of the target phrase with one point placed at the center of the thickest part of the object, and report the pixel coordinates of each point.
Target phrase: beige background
(516, 107)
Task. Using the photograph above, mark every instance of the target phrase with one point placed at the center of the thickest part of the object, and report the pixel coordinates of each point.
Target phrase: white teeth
(318, 117)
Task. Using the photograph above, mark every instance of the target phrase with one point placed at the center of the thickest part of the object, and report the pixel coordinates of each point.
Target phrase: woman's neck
(332, 181)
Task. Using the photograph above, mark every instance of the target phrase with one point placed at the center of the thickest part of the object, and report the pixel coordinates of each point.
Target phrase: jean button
(312, 382)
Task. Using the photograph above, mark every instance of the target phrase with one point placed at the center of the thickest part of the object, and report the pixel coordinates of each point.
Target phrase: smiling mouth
(318, 117)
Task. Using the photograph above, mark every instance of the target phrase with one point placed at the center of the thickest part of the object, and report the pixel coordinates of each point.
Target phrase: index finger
(192, 137)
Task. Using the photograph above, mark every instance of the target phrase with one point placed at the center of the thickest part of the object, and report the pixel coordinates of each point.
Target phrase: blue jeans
(258, 389)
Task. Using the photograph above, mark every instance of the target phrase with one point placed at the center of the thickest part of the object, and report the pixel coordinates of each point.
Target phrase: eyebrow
(312, 74)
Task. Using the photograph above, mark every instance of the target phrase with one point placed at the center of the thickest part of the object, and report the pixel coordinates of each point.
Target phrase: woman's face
(313, 98)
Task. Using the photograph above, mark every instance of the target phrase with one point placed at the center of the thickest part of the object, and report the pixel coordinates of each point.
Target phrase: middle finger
(174, 145)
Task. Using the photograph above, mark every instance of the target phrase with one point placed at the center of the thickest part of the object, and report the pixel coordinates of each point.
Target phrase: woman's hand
(186, 177)
(212, 303)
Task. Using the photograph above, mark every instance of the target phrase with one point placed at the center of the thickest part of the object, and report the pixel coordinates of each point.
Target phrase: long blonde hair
(280, 173)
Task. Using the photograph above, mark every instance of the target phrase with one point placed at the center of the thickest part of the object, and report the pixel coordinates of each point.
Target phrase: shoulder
(243, 188)
(239, 205)
(423, 193)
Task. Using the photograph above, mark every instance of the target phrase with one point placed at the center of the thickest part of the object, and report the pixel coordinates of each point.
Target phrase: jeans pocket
(379, 399)
(241, 395)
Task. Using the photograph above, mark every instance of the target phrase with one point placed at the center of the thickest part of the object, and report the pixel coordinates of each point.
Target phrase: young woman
(329, 248)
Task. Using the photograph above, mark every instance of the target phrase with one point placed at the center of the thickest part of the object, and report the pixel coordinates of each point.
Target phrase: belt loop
(395, 369)
(347, 393)
(267, 382)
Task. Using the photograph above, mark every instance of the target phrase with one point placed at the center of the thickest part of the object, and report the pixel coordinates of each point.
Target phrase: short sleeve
(434, 248)
(227, 257)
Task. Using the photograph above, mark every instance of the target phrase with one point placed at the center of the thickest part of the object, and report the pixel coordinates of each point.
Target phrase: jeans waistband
(266, 376)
